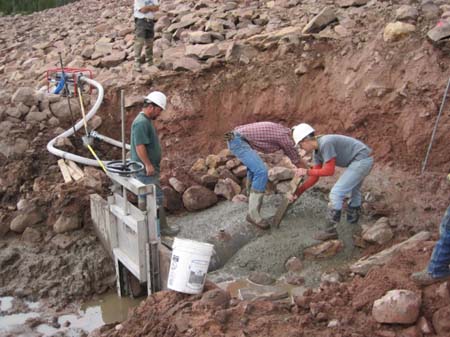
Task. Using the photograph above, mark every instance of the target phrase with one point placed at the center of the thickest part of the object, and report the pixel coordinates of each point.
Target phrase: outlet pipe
(70, 156)
(96, 135)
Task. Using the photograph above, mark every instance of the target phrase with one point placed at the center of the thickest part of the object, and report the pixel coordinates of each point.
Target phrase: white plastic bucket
(189, 265)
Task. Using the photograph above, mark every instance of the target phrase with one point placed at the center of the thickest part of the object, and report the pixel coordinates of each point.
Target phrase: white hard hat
(299, 132)
(158, 98)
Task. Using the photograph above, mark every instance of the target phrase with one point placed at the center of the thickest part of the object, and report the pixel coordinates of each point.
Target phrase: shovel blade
(280, 212)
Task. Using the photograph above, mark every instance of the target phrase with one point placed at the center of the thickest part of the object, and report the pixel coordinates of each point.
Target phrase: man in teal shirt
(145, 148)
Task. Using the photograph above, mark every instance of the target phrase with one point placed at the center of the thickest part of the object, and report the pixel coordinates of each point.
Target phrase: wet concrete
(252, 249)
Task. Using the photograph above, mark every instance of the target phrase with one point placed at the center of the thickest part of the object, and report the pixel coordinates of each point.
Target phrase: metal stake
(435, 128)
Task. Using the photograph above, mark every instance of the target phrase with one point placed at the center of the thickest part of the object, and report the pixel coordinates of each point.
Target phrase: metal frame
(134, 236)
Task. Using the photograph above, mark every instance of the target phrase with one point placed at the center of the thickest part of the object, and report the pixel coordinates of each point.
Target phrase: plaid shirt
(268, 137)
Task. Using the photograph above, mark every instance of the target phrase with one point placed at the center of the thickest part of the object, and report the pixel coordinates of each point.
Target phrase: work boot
(137, 66)
(254, 206)
(164, 227)
(353, 214)
(424, 278)
(248, 186)
(330, 232)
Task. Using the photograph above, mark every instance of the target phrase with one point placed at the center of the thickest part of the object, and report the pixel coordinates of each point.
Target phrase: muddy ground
(387, 94)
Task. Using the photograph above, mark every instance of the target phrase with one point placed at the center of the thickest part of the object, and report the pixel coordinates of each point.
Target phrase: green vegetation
(8, 7)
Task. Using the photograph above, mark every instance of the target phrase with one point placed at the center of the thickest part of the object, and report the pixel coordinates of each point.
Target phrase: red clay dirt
(397, 126)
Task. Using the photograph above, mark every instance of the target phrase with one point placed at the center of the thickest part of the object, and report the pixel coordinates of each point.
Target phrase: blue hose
(60, 85)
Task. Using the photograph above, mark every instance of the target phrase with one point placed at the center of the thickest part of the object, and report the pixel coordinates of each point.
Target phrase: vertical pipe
(122, 117)
(122, 112)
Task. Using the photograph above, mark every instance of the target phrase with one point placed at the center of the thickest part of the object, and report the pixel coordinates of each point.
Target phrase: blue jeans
(440, 259)
(151, 180)
(256, 169)
(349, 183)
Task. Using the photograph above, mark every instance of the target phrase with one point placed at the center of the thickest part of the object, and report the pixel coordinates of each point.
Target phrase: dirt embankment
(387, 95)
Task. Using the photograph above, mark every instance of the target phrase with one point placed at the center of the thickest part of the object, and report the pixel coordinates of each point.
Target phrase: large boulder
(279, 173)
(227, 188)
(406, 12)
(395, 31)
(324, 250)
(25, 219)
(61, 109)
(186, 64)
(441, 322)
(67, 223)
(198, 197)
(36, 116)
(200, 37)
(26, 96)
(113, 60)
(212, 161)
(320, 21)
(202, 51)
(398, 306)
(240, 53)
(440, 32)
(177, 185)
(172, 199)
(14, 147)
(380, 232)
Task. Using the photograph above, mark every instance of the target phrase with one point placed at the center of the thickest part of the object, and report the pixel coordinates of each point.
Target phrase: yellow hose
(98, 159)
(87, 133)
(82, 111)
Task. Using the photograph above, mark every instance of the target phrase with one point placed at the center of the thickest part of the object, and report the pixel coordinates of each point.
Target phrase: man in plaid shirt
(266, 137)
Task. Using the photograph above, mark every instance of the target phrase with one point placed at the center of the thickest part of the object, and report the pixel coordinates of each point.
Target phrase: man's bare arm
(150, 8)
(143, 156)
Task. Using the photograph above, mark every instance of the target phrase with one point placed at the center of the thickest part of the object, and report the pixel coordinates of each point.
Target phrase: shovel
(295, 182)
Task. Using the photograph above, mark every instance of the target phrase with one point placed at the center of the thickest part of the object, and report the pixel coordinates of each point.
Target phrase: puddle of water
(11, 321)
(33, 305)
(6, 303)
(108, 308)
(112, 307)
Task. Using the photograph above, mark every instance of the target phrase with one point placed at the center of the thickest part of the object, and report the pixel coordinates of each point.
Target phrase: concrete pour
(242, 248)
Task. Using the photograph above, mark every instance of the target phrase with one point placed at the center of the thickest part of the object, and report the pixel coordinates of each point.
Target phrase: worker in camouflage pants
(144, 30)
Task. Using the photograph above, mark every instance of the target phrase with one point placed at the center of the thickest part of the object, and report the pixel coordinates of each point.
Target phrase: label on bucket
(197, 274)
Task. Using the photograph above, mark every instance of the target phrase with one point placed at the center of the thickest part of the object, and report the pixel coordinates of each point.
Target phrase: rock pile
(223, 176)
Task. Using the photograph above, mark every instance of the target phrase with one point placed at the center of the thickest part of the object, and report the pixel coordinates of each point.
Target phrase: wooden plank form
(70, 170)
(64, 170)
(75, 168)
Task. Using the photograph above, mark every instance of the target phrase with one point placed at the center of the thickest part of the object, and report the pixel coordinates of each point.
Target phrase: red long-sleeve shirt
(315, 173)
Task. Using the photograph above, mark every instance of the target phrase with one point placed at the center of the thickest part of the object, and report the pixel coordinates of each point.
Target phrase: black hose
(67, 93)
